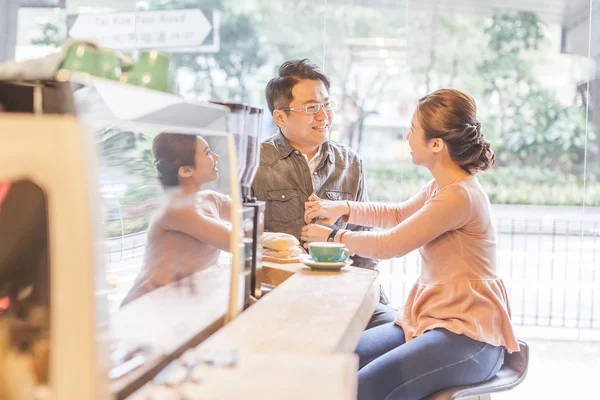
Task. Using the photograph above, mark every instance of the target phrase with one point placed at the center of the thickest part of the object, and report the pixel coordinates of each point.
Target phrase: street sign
(192, 30)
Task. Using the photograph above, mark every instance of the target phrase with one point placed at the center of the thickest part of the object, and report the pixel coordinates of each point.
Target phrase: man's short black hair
(279, 89)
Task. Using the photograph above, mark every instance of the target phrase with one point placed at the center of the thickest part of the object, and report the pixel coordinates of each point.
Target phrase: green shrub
(130, 226)
(394, 182)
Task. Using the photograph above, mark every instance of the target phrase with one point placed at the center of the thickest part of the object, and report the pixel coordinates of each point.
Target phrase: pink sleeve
(199, 226)
(384, 215)
(448, 210)
(222, 203)
(224, 206)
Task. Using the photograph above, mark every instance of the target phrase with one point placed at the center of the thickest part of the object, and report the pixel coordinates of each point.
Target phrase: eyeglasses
(313, 108)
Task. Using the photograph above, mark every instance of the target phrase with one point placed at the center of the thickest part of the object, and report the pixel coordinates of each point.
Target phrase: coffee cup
(328, 252)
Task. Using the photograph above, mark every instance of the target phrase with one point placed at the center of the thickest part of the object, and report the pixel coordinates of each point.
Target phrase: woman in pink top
(188, 234)
(455, 326)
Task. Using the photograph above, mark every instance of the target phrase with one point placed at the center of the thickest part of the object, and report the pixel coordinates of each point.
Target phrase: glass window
(531, 69)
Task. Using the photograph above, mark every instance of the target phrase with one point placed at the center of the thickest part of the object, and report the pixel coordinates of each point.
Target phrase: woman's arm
(224, 206)
(201, 227)
(383, 215)
(362, 213)
(448, 210)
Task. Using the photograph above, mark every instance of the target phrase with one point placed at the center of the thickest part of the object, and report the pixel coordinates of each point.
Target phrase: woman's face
(206, 165)
(419, 148)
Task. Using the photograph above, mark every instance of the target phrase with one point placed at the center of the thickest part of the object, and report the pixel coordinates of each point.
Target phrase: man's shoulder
(344, 155)
(269, 153)
(270, 140)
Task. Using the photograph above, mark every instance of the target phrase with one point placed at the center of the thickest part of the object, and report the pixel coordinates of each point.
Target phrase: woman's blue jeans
(390, 368)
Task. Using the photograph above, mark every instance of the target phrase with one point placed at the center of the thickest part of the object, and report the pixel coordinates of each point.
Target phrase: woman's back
(458, 289)
(469, 251)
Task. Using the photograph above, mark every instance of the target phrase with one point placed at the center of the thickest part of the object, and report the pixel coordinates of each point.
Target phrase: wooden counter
(312, 312)
(274, 274)
(171, 319)
(297, 342)
(306, 330)
(271, 377)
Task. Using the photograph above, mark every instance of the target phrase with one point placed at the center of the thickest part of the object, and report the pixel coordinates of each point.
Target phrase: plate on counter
(307, 260)
(278, 260)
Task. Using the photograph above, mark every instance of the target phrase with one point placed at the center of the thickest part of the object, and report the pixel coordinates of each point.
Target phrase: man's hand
(324, 212)
(314, 233)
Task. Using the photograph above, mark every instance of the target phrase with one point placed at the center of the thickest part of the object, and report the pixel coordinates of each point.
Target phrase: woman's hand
(314, 233)
(326, 211)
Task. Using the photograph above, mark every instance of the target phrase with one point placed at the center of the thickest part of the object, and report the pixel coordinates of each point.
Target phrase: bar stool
(511, 374)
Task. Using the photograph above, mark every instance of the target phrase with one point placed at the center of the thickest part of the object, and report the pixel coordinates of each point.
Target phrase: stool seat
(511, 374)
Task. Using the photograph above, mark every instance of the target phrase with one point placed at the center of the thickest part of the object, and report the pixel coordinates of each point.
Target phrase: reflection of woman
(188, 234)
(456, 323)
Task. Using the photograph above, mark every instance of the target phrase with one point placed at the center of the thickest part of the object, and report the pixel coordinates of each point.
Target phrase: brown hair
(279, 89)
(172, 151)
(451, 115)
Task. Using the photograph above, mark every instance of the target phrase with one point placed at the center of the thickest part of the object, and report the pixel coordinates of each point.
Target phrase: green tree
(361, 81)
(529, 125)
(447, 52)
(239, 57)
(541, 132)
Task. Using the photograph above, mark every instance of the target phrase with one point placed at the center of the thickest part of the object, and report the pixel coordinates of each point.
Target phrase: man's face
(299, 128)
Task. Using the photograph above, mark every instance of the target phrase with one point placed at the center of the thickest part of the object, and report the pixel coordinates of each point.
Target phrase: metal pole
(9, 11)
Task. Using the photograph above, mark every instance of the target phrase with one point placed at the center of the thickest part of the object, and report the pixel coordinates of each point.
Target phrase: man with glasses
(300, 162)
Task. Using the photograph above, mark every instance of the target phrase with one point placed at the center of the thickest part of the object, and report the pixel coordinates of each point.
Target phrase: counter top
(295, 342)
(312, 312)
(269, 377)
(171, 319)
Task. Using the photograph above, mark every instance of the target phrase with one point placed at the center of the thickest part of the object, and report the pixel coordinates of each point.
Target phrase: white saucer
(307, 260)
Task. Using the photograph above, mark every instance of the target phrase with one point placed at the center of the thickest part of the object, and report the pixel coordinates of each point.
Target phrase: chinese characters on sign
(173, 30)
